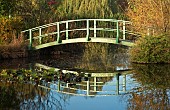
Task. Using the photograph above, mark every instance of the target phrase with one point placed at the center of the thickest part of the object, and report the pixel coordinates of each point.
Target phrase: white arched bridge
(75, 31)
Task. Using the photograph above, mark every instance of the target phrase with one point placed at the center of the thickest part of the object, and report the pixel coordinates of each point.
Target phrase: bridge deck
(80, 40)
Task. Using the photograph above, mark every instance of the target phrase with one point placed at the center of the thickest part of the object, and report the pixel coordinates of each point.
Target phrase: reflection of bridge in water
(90, 84)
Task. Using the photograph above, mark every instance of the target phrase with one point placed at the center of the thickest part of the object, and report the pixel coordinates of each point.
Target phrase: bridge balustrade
(87, 30)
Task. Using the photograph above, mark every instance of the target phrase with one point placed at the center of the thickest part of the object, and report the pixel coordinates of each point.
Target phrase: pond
(79, 83)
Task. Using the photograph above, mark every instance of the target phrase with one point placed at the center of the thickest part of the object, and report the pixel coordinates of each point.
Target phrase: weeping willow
(87, 8)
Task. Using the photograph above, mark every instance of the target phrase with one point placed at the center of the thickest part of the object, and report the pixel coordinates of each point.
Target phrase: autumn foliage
(9, 29)
(151, 19)
(149, 16)
(151, 49)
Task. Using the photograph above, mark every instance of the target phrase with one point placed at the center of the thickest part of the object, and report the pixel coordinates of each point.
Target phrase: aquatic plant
(25, 76)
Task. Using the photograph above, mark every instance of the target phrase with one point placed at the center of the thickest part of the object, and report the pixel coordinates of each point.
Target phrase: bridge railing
(89, 26)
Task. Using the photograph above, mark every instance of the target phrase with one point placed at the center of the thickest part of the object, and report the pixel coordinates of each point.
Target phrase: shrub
(9, 28)
(151, 49)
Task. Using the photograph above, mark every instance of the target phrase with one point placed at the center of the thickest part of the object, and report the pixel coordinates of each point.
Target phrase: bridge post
(95, 85)
(124, 83)
(40, 37)
(88, 87)
(94, 28)
(59, 82)
(117, 85)
(124, 29)
(117, 35)
(58, 31)
(30, 38)
(67, 30)
(87, 35)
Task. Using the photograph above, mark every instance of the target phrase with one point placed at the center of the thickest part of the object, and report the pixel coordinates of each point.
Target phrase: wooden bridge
(75, 31)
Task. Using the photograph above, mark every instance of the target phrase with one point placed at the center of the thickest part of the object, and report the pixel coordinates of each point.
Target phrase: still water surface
(85, 86)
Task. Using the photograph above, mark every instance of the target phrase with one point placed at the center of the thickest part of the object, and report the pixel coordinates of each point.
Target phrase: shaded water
(84, 84)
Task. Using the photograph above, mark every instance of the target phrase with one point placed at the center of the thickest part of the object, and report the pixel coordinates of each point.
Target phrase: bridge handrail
(61, 22)
(80, 29)
(83, 29)
(53, 33)
(120, 26)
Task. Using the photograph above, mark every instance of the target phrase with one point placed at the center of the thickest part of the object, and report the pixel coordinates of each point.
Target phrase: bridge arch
(114, 32)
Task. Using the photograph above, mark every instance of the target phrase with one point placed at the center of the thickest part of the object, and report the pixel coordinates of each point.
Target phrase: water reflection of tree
(8, 99)
(153, 95)
(103, 57)
(88, 56)
(27, 97)
(48, 102)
